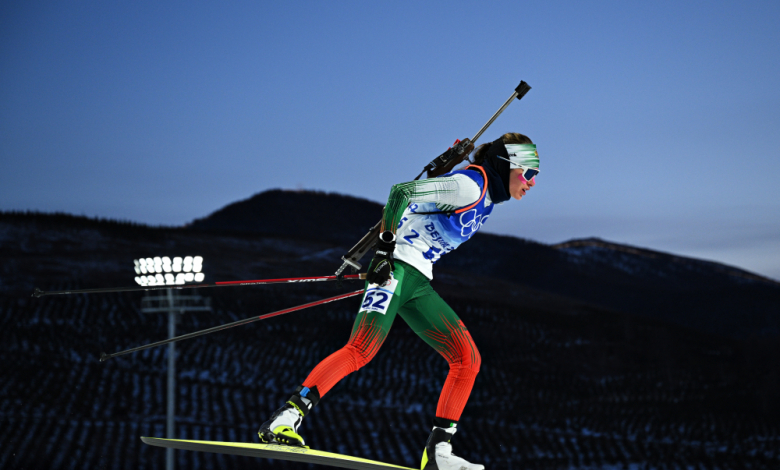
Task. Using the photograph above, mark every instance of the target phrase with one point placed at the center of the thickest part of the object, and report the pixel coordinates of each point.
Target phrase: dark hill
(698, 294)
(297, 214)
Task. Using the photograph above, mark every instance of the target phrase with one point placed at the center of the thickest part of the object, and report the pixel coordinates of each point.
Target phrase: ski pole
(104, 357)
(41, 293)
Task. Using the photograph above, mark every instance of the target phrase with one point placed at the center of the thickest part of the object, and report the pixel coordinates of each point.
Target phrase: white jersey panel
(421, 239)
(457, 190)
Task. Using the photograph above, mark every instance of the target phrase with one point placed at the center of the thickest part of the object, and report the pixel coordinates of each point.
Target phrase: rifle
(440, 165)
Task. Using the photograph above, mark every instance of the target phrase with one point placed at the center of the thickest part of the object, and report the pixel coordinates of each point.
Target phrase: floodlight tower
(159, 271)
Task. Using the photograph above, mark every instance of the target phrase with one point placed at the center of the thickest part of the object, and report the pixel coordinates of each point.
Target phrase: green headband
(522, 156)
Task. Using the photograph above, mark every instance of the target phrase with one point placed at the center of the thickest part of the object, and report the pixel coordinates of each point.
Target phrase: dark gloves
(382, 264)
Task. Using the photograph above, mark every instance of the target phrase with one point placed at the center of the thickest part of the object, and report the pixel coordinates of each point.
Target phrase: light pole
(162, 270)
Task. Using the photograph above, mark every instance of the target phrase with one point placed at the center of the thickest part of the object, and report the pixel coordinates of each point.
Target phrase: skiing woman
(422, 221)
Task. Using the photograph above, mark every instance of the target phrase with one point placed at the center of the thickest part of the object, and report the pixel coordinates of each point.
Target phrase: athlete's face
(518, 185)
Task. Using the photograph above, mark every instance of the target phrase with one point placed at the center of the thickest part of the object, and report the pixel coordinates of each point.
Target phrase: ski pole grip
(522, 89)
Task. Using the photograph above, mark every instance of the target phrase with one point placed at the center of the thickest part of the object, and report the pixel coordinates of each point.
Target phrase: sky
(656, 122)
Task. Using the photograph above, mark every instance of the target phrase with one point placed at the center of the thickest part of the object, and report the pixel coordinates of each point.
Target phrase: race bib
(378, 298)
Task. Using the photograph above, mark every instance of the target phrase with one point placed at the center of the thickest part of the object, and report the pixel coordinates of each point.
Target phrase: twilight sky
(657, 123)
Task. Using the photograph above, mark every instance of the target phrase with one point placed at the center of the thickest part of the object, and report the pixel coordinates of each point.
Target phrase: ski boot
(282, 427)
(438, 451)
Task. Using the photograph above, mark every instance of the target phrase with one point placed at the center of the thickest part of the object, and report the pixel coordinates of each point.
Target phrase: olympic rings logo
(471, 222)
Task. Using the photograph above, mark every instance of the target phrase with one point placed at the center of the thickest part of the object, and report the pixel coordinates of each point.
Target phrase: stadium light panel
(164, 270)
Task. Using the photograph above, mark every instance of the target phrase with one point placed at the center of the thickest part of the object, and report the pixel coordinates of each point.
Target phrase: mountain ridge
(223, 221)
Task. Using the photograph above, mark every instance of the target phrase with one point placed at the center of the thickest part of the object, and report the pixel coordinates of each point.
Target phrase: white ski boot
(282, 427)
(438, 453)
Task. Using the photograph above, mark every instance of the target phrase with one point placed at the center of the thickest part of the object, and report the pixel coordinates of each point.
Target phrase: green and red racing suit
(430, 218)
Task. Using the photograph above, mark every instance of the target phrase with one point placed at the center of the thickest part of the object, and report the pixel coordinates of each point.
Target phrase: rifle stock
(353, 256)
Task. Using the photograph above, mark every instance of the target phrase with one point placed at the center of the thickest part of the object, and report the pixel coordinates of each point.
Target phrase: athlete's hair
(508, 138)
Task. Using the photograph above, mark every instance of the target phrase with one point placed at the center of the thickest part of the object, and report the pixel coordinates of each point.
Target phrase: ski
(274, 451)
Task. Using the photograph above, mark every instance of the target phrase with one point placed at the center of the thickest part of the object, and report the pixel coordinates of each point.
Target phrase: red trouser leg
(368, 334)
(439, 326)
(464, 367)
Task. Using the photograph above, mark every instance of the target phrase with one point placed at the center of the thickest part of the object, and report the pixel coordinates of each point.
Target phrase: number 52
(375, 301)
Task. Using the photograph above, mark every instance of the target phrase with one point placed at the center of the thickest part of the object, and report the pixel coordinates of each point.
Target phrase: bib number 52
(378, 298)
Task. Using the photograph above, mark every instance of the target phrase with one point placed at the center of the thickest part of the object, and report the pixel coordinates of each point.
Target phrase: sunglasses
(529, 173)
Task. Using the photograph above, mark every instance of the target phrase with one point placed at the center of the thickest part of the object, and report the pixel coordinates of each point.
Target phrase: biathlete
(422, 221)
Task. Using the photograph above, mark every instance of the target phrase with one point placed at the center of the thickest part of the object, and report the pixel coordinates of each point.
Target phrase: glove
(382, 264)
